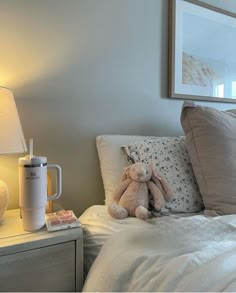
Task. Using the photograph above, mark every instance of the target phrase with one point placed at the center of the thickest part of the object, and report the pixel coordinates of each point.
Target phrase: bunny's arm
(120, 190)
(159, 200)
(162, 184)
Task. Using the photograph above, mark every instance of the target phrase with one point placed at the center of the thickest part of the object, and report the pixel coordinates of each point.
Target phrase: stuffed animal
(131, 198)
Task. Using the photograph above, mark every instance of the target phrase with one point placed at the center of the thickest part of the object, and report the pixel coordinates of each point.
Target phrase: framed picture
(202, 52)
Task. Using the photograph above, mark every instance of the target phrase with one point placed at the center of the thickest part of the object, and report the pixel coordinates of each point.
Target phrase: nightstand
(39, 261)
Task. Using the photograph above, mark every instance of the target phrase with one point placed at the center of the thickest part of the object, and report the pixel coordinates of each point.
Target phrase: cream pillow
(169, 155)
(211, 143)
(112, 159)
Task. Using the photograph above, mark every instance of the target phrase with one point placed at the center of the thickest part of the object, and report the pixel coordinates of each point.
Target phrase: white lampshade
(11, 137)
(11, 134)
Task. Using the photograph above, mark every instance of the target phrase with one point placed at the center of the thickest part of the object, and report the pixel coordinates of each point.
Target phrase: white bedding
(169, 253)
(98, 226)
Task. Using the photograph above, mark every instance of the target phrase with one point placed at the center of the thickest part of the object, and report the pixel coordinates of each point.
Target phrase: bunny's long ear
(125, 173)
(160, 181)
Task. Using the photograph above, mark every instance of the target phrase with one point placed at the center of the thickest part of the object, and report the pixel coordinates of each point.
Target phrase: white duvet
(98, 226)
(168, 254)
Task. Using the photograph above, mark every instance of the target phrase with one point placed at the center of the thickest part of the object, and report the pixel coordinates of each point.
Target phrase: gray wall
(80, 68)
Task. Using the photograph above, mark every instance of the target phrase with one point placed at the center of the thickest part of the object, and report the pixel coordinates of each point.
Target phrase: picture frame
(202, 52)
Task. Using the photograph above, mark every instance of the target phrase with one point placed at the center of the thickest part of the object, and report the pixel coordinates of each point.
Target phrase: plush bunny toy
(131, 198)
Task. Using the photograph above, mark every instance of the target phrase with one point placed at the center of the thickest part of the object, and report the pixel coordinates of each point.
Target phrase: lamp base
(4, 196)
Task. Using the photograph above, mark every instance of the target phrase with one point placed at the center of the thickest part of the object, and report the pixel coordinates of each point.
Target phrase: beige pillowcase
(112, 160)
(211, 144)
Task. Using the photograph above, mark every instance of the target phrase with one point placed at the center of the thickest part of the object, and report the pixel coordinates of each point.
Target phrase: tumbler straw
(31, 146)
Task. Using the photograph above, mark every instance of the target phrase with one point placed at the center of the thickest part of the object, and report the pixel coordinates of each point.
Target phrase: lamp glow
(11, 137)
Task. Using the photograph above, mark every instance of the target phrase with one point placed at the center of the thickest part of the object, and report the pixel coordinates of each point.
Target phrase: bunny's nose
(140, 173)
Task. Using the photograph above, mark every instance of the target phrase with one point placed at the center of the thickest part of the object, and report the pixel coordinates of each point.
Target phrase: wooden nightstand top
(14, 239)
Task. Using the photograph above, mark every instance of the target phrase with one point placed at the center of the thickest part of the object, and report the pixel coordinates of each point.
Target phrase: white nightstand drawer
(49, 268)
(39, 261)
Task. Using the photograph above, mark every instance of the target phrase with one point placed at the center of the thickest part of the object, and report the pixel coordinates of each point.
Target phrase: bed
(189, 247)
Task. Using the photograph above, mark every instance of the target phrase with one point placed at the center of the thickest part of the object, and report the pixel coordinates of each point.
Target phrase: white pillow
(113, 159)
(170, 156)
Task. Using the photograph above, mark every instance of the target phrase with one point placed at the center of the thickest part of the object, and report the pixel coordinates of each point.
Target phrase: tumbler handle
(58, 181)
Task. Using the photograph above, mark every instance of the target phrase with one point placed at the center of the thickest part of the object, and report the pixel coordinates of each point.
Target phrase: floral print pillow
(170, 157)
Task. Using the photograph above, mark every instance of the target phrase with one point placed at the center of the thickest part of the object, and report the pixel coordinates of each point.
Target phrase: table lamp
(11, 137)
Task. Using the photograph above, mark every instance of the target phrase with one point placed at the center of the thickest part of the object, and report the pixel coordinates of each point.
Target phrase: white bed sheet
(98, 226)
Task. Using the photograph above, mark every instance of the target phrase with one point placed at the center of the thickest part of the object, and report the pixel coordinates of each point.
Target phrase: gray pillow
(211, 143)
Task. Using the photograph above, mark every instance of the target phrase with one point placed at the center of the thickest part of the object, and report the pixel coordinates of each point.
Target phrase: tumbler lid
(32, 161)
